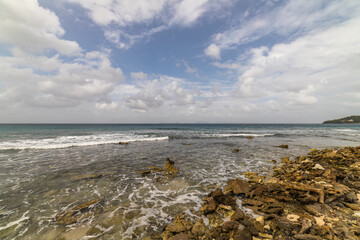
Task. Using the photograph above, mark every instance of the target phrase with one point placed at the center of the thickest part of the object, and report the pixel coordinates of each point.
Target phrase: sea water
(48, 169)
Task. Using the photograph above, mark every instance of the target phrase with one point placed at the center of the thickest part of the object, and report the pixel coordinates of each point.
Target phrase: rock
(180, 236)
(293, 217)
(235, 150)
(156, 169)
(353, 206)
(283, 146)
(144, 172)
(85, 177)
(318, 166)
(230, 225)
(123, 143)
(209, 206)
(307, 237)
(71, 216)
(237, 215)
(351, 197)
(179, 225)
(237, 186)
(273, 161)
(306, 225)
(249, 137)
(170, 169)
(261, 220)
(319, 220)
(198, 229)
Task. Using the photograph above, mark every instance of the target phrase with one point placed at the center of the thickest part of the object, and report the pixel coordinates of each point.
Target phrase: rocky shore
(308, 198)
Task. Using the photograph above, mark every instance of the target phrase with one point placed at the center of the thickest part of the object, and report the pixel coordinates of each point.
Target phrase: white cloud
(213, 51)
(313, 69)
(189, 69)
(35, 77)
(167, 90)
(294, 16)
(138, 75)
(128, 22)
(32, 28)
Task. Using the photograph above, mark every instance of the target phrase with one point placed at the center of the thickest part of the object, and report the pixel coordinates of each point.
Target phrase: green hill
(351, 119)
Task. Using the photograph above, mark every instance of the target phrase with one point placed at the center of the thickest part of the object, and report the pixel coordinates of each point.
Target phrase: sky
(179, 61)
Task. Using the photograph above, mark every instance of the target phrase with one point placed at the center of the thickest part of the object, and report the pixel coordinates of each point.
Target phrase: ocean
(48, 169)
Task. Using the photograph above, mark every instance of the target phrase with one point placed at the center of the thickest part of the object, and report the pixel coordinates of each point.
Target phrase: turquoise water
(44, 171)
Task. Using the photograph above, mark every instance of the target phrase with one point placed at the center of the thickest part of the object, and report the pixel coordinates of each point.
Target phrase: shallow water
(49, 169)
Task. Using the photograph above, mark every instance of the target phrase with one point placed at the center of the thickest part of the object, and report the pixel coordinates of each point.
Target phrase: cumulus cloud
(213, 51)
(128, 22)
(152, 94)
(32, 28)
(33, 76)
(317, 67)
(138, 75)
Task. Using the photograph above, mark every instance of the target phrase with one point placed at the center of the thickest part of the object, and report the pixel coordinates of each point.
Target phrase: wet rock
(307, 237)
(283, 146)
(170, 169)
(230, 225)
(237, 215)
(180, 236)
(237, 186)
(144, 172)
(249, 137)
(235, 150)
(198, 229)
(209, 206)
(273, 161)
(221, 198)
(85, 177)
(353, 206)
(123, 143)
(318, 167)
(179, 225)
(73, 215)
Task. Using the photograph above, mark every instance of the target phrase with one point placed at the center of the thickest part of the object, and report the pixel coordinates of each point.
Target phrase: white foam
(76, 141)
(222, 135)
(16, 222)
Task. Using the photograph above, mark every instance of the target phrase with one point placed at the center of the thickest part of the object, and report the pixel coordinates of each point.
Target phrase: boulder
(237, 186)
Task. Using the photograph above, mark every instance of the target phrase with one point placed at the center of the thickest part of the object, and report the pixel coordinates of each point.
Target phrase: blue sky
(122, 61)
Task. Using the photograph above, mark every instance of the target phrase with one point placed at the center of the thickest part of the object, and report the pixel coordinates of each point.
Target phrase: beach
(78, 182)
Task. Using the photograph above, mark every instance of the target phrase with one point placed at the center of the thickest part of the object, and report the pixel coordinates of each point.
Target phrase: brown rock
(170, 168)
(179, 225)
(235, 150)
(238, 214)
(209, 206)
(71, 216)
(123, 143)
(180, 236)
(237, 186)
(230, 225)
(307, 237)
(249, 137)
(353, 206)
(283, 146)
(198, 229)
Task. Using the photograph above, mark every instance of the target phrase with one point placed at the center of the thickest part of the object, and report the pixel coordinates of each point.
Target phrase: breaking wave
(76, 141)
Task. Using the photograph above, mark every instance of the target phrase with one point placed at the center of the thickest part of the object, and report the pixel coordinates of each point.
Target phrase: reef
(307, 198)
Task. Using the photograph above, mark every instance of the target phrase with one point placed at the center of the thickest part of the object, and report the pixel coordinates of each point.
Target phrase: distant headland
(350, 119)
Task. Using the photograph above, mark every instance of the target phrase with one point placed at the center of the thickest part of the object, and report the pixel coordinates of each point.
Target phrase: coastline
(311, 197)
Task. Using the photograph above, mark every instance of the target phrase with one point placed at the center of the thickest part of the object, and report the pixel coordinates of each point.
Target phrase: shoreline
(311, 197)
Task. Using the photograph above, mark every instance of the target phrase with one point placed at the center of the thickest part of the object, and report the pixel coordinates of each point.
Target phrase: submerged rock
(170, 169)
(74, 214)
(283, 146)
